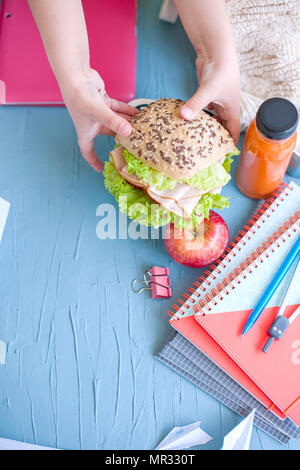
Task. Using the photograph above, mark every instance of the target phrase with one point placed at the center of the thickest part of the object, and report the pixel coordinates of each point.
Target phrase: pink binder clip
(157, 280)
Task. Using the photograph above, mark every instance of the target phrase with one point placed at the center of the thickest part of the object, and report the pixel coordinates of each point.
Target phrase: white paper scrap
(184, 437)
(4, 208)
(168, 12)
(2, 352)
(240, 436)
(8, 444)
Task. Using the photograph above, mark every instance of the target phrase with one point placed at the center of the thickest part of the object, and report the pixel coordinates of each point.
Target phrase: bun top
(162, 139)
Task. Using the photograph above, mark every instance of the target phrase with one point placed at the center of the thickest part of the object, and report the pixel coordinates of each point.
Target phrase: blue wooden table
(80, 371)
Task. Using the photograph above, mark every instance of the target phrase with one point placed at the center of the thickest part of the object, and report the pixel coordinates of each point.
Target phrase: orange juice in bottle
(269, 144)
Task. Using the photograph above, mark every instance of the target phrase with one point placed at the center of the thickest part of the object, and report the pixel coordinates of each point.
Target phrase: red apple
(201, 247)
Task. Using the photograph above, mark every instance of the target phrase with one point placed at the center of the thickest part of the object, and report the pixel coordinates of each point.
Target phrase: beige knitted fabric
(267, 35)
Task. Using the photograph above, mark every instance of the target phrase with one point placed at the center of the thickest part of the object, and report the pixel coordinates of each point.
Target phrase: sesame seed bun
(162, 139)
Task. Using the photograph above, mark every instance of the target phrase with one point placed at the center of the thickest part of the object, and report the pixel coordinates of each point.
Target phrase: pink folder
(25, 74)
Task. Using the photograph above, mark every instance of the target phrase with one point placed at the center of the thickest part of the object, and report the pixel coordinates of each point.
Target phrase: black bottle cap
(277, 118)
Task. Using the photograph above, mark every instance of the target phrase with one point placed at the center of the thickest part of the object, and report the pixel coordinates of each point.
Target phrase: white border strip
(8, 444)
(4, 209)
(2, 353)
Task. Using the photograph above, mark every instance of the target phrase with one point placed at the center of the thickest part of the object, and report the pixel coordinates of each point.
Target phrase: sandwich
(170, 169)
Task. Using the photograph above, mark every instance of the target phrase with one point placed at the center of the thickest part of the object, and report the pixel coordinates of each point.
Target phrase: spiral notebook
(183, 357)
(263, 242)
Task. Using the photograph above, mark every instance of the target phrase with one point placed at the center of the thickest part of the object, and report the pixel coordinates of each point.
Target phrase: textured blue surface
(80, 371)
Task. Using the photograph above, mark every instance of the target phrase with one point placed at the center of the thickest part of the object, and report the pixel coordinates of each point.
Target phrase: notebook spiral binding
(259, 217)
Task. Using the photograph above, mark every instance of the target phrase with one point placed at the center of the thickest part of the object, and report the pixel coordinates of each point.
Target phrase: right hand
(93, 112)
(218, 90)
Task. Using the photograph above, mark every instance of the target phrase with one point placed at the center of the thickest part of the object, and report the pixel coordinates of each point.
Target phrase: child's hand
(209, 29)
(93, 113)
(219, 90)
(64, 34)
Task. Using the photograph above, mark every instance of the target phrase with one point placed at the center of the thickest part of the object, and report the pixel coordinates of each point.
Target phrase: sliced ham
(181, 200)
(120, 165)
(118, 158)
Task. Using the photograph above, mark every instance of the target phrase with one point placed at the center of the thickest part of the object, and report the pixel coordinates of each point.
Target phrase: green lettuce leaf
(147, 174)
(140, 208)
(213, 177)
(228, 160)
(209, 202)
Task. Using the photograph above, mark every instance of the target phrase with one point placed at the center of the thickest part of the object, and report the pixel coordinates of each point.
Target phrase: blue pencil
(270, 290)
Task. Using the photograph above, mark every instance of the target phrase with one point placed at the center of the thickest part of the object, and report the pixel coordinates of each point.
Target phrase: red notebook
(228, 291)
(276, 372)
(191, 330)
(25, 74)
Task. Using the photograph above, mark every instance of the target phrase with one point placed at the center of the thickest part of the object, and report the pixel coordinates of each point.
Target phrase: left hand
(93, 112)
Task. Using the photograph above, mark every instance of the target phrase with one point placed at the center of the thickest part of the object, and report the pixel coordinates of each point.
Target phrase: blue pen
(270, 290)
